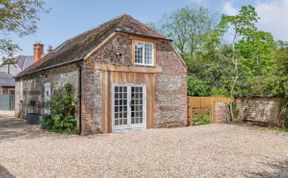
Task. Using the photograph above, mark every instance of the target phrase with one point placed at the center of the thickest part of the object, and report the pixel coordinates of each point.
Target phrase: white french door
(128, 107)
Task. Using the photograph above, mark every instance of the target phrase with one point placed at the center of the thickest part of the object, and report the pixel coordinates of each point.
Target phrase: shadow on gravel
(253, 126)
(5, 173)
(11, 128)
(280, 170)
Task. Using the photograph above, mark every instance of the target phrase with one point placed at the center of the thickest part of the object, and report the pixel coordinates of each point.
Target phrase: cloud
(198, 2)
(273, 14)
(274, 17)
(229, 9)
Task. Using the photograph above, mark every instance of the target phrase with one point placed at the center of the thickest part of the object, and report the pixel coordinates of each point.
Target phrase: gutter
(79, 65)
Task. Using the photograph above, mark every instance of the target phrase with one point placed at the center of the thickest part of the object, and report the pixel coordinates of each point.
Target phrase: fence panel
(202, 105)
(7, 102)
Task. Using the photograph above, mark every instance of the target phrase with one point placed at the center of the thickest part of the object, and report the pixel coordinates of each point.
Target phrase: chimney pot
(50, 49)
(38, 51)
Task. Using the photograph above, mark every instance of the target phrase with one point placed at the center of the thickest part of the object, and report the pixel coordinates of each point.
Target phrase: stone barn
(125, 76)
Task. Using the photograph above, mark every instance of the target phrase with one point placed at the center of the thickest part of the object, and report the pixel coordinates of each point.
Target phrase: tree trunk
(235, 62)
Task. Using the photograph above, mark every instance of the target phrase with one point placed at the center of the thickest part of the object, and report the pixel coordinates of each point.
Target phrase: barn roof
(76, 48)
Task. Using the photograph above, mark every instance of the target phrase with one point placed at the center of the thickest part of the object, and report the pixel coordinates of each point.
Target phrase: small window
(144, 53)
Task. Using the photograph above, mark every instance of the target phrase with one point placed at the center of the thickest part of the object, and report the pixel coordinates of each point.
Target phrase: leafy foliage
(217, 61)
(189, 28)
(18, 17)
(197, 87)
(232, 58)
(62, 112)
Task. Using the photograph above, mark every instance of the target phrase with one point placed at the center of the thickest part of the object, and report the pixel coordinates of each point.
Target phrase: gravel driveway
(215, 150)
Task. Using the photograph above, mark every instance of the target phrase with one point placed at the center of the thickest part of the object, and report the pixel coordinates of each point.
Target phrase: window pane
(138, 52)
(148, 53)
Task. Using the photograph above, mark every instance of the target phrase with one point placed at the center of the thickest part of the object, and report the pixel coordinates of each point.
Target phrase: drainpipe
(79, 65)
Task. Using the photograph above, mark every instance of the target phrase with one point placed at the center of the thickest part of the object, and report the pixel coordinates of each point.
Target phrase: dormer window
(144, 53)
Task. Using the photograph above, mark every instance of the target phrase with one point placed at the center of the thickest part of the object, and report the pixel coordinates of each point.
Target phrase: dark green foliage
(46, 122)
(197, 87)
(62, 112)
(32, 103)
(219, 92)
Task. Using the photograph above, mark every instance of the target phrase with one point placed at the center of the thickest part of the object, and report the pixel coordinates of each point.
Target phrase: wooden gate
(201, 105)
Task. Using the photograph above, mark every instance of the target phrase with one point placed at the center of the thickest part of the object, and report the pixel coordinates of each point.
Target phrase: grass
(201, 119)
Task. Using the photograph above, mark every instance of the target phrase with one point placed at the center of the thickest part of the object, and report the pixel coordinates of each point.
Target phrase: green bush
(197, 87)
(219, 92)
(62, 112)
(202, 119)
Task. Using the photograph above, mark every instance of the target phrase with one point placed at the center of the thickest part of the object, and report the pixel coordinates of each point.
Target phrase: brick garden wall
(262, 110)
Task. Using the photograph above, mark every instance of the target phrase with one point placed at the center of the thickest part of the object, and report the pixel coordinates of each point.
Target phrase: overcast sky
(71, 17)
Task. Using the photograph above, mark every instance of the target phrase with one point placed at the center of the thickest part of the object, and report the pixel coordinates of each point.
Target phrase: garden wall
(262, 110)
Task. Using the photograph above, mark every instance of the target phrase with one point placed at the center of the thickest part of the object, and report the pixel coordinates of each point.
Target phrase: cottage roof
(24, 61)
(6, 80)
(76, 48)
(21, 61)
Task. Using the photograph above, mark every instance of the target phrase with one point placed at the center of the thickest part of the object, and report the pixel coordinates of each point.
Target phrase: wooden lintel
(133, 69)
(138, 38)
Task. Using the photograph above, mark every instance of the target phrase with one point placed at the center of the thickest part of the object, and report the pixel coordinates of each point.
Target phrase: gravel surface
(215, 150)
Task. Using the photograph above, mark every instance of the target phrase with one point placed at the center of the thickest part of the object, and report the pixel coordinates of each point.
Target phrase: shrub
(46, 122)
(219, 92)
(62, 112)
(202, 119)
(197, 87)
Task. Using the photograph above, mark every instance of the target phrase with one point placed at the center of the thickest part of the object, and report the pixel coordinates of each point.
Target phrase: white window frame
(129, 126)
(143, 53)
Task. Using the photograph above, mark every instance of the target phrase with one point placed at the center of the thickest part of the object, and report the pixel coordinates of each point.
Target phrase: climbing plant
(62, 112)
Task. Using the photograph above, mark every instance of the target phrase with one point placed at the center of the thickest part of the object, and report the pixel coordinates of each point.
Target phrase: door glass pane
(120, 105)
(136, 105)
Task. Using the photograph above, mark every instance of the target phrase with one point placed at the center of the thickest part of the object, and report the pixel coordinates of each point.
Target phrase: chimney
(50, 49)
(38, 51)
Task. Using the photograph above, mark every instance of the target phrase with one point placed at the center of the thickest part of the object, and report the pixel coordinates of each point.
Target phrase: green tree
(188, 27)
(275, 82)
(257, 52)
(18, 17)
(242, 26)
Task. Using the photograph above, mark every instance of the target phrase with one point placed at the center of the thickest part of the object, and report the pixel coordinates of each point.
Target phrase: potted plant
(33, 117)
